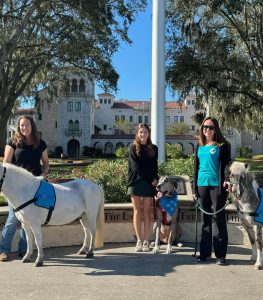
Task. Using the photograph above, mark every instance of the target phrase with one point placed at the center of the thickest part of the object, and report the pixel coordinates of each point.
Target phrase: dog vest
(259, 212)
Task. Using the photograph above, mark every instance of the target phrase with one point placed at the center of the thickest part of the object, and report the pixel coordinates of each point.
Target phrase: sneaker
(146, 246)
(221, 261)
(138, 247)
(203, 259)
(4, 256)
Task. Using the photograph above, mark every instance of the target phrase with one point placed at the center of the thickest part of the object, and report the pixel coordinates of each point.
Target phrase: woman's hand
(227, 185)
(154, 183)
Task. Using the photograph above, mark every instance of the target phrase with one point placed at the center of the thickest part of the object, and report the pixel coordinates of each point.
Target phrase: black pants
(214, 229)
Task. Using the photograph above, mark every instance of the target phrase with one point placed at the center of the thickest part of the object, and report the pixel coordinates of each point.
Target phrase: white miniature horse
(244, 191)
(74, 199)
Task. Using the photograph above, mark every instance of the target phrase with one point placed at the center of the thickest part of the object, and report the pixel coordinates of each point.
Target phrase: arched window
(70, 125)
(74, 86)
(76, 125)
(82, 86)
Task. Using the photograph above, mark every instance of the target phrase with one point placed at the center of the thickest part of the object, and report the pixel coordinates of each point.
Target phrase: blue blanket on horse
(45, 195)
(259, 211)
(169, 204)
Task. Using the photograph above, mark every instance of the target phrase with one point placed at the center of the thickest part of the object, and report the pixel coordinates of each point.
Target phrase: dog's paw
(152, 245)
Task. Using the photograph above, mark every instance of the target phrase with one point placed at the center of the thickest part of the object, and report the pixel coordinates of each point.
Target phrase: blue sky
(133, 62)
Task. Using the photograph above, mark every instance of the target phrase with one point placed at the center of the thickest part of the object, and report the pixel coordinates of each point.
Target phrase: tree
(124, 126)
(177, 128)
(215, 49)
(39, 38)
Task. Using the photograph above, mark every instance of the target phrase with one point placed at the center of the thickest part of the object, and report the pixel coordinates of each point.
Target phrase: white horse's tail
(99, 241)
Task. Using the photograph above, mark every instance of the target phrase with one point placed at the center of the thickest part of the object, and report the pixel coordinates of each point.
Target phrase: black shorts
(141, 188)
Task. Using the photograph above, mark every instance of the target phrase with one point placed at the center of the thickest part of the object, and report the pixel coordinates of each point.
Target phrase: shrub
(58, 151)
(112, 176)
(122, 152)
(244, 152)
(3, 200)
(178, 167)
(88, 151)
(173, 151)
(51, 153)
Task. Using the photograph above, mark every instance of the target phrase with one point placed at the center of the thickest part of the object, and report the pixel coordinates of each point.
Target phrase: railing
(73, 132)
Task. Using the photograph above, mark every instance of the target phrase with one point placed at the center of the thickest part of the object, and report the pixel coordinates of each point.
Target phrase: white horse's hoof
(257, 267)
(39, 264)
(81, 252)
(89, 254)
(168, 251)
(26, 259)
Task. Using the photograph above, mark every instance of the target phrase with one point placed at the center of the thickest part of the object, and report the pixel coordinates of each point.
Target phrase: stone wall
(118, 227)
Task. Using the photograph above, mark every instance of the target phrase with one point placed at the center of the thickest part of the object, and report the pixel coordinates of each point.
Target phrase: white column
(158, 77)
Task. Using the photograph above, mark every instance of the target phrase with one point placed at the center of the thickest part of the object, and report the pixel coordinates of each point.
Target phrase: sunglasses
(206, 127)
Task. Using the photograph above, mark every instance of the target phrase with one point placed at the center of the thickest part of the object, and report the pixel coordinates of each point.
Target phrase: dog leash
(198, 206)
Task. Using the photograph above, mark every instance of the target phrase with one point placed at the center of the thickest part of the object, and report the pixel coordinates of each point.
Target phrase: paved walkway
(116, 272)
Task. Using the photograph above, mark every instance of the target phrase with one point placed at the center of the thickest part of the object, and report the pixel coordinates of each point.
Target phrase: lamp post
(158, 77)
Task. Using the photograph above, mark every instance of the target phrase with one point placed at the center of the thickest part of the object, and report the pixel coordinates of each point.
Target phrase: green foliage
(122, 152)
(51, 153)
(3, 200)
(177, 128)
(178, 167)
(88, 151)
(244, 152)
(124, 127)
(112, 176)
(58, 151)
(42, 41)
(173, 151)
(214, 49)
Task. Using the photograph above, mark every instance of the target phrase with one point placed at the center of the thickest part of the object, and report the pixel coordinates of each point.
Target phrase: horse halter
(2, 179)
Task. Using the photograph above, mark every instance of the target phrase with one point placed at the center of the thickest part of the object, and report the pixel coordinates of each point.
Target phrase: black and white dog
(166, 227)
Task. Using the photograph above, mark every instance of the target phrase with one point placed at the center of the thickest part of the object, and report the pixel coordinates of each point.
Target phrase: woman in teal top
(211, 164)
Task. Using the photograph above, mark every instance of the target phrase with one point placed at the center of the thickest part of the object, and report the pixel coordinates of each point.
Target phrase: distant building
(76, 119)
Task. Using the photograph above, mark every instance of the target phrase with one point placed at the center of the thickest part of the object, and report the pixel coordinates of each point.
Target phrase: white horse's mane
(238, 167)
(20, 170)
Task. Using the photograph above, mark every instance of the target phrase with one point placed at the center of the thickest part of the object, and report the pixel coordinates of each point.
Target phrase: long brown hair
(19, 139)
(218, 136)
(137, 143)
